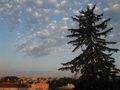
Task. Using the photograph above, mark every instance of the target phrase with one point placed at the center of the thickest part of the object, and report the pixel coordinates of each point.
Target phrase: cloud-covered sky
(38, 28)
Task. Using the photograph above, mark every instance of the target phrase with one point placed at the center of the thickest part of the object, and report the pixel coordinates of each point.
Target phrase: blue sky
(32, 32)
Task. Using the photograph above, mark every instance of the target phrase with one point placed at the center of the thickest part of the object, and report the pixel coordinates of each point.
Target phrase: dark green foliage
(54, 84)
(10, 79)
(98, 85)
(95, 62)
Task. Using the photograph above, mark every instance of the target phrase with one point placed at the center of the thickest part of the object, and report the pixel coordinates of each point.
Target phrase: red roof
(12, 85)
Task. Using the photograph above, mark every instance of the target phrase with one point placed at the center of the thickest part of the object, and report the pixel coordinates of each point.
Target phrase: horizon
(37, 74)
(33, 33)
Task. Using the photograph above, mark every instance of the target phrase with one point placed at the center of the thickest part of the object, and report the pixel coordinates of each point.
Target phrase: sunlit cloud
(29, 10)
(43, 33)
(43, 24)
(38, 2)
(115, 7)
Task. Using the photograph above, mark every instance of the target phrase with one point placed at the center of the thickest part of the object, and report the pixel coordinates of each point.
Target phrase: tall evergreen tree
(95, 61)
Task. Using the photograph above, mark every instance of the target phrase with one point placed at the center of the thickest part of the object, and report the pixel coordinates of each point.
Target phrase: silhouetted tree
(95, 61)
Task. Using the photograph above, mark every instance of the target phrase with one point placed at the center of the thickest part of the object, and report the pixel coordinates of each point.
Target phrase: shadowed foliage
(10, 79)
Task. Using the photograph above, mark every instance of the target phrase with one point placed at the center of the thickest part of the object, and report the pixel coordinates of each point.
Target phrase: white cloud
(58, 12)
(52, 2)
(39, 50)
(105, 9)
(115, 7)
(61, 4)
(49, 41)
(29, 10)
(48, 12)
(49, 21)
(43, 33)
(36, 14)
(20, 1)
(90, 5)
(38, 2)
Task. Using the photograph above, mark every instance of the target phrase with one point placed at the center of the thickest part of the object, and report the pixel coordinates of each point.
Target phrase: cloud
(52, 2)
(113, 11)
(61, 4)
(43, 33)
(29, 10)
(43, 24)
(39, 50)
(115, 7)
(51, 37)
(38, 2)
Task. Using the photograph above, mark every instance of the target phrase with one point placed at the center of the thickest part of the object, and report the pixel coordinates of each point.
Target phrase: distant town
(36, 83)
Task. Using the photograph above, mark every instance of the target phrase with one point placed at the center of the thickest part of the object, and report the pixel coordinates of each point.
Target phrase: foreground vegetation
(94, 62)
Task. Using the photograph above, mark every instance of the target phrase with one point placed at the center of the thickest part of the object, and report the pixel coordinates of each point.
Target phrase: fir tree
(95, 62)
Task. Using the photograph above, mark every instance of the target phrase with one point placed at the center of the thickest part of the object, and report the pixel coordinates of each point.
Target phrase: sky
(33, 32)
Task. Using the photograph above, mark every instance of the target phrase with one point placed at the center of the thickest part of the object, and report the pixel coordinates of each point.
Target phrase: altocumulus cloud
(43, 24)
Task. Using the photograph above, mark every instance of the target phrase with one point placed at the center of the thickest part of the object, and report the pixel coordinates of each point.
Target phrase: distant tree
(95, 61)
(54, 84)
(10, 79)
